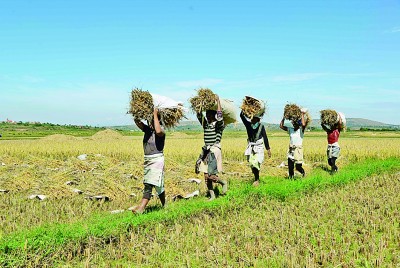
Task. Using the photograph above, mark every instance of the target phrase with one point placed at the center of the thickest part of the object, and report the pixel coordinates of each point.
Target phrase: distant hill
(24, 130)
(357, 123)
(352, 123)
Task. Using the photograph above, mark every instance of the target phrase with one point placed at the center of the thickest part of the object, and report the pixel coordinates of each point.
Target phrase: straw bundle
(170, 117)
(329, 118)
(251, 107)
(292, 112)
(141, 104)
(307, 118)
(205, 100)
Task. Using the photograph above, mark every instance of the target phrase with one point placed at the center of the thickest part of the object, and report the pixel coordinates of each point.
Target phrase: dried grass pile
(205, 100)
(329, 118)
(170, 117)
(307, 118)
(107, 134)
(142, 108)
(252, 107)
(141, 104)
(292, 112)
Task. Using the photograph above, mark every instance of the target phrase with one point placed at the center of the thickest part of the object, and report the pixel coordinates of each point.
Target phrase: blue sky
(75, 62)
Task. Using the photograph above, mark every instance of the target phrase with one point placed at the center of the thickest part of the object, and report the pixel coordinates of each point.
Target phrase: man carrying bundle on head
(256, 136)
(210, 161)
(153, 146)
(159, 112)
(332, 126)
(296, 134)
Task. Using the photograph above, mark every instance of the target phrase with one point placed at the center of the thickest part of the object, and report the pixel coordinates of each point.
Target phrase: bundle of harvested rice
(252, 107)
(329, 118)
(170, 117)
(169, 110)
(307, 118)
(141, 104)
(205, 100)
(292, 112)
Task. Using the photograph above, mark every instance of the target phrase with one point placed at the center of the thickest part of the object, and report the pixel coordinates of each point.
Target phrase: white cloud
(393, 30)
(102, 103)
(396, 30)
(73, 103)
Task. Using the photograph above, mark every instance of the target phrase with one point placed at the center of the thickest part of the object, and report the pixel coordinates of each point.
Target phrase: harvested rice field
(348, 219)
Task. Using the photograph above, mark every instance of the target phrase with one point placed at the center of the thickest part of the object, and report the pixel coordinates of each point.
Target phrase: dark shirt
(152, 143)
(252, 133)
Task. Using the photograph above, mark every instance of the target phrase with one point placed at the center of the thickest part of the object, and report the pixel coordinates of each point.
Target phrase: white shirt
(296, 137)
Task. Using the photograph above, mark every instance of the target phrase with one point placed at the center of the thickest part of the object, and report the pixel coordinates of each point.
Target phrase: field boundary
(48, 239)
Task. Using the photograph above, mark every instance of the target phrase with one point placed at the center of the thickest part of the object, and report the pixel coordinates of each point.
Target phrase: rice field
(113, 168)
(312, 231)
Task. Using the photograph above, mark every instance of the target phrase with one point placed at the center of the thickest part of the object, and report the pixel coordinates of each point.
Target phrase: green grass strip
(48, 238)
(320, 179)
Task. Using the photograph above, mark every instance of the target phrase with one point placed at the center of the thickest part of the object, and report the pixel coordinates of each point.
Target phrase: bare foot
(137, 210)
(212, 195)
(256, 183)
(224, 186)
(211, 199)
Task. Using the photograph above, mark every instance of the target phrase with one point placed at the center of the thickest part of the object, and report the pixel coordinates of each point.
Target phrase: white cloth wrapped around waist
(295, 153)
(255, 147)
(215, 145)
(333, 150)
(154, 169)
(336, 144)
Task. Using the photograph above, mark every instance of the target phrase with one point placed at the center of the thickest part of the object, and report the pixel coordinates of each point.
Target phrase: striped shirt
(212, 131)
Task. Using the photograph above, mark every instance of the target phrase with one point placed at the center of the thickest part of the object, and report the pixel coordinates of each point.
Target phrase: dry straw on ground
(251, 107)
(107, 134)
(329, 117)
(141, 104)
(59, 137)
(205, 100)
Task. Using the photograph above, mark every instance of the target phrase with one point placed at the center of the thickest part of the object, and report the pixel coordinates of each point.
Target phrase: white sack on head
(228, 111)
(343, 117)
(162, 102)
(171, 111)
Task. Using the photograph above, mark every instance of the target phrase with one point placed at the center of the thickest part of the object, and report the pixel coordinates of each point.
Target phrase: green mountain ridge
(352, 123)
